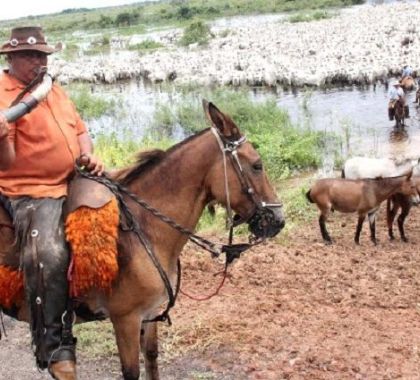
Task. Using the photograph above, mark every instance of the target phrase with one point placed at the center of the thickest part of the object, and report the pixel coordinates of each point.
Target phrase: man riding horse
(37, 157)
(406, 72)
(396, 93)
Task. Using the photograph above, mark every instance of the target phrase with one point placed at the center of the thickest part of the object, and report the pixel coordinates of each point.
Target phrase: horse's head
(238, 180)
(409, 188)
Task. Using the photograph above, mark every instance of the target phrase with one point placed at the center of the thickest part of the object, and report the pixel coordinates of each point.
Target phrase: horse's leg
(391, 212)
(323, 227)
(405, 209)
(127, 334)
(359, 228)
(149, 348)
(372, 226)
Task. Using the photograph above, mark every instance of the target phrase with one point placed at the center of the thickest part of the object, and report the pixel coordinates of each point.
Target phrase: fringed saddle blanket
(92, 234)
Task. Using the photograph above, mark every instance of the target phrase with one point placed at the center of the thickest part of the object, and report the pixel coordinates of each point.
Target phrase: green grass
(146, 45)
(139, 17)
(310, 16)
(91, 106)
(96, 339)
(284, 147)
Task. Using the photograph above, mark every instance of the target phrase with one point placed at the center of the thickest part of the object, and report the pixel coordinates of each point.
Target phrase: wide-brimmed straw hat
(28, 38)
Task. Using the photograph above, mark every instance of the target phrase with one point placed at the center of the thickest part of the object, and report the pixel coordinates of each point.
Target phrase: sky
(38, 7)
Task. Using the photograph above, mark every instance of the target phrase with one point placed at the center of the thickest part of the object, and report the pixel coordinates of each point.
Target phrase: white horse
(366, 167)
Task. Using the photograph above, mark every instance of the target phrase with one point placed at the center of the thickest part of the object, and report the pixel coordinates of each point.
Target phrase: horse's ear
(219, 120)
(409, 174)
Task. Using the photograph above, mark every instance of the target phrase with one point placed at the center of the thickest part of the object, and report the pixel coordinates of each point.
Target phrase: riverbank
(358, 45)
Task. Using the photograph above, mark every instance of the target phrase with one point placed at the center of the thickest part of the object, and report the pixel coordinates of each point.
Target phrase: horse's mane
(147, 160)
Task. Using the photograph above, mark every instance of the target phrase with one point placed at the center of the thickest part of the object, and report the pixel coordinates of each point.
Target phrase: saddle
(91, 224)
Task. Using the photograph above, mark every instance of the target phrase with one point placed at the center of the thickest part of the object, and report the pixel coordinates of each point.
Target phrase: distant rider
(407, 72)
(396, 93)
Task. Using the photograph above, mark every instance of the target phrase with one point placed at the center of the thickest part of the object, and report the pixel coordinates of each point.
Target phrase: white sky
(10, 10)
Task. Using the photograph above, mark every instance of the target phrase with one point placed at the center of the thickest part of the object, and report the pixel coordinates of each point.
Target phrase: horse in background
(417, 101)
(215, 164)
(400, 113)
(393, 204)
(367, 167)
(362, 196)
(408, 83)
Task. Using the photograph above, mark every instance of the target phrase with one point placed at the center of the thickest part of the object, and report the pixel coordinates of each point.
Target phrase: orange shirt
(45, 141)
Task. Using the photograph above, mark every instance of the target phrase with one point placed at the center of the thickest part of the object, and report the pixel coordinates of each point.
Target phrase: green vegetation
(310, 16)
(146, 45)
(196, 32)
(284, 147)
(88, 105)
(297, 209)
(163, 13)
(97, 339)
(120, 150)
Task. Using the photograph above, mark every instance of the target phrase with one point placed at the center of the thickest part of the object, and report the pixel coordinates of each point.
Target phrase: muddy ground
(294, 309)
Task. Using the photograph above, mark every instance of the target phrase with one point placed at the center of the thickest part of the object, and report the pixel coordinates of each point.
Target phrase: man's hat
(396, 83)
(28, 38)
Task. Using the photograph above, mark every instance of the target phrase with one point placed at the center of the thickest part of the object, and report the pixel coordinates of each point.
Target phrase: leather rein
(228, 149)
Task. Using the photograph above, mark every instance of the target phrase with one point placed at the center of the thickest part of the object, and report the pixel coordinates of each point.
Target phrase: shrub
(196, 32)
(285, 148)
(146, 45)
(88, 105)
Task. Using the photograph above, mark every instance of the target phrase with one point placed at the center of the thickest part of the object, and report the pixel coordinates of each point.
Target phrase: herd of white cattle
(358, 45)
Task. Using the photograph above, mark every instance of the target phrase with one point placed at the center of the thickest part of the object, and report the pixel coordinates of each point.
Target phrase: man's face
(25, 64)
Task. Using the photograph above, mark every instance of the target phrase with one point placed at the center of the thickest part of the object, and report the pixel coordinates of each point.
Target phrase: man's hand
(4, 127)
(92, 163)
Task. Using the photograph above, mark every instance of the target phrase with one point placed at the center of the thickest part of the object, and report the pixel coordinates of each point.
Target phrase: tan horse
(396, 202)
(363, 196)
(216, 164)
(408, 83)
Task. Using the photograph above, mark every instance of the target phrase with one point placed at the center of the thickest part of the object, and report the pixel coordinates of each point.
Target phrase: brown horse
(407, 83)
(399, 113)
(396, 202)
(215, 164)
(363, 196)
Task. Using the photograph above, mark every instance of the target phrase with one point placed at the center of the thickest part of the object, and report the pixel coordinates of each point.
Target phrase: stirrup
(63, 370)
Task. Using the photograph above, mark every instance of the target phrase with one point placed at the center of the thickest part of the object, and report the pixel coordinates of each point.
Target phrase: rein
(232, 251)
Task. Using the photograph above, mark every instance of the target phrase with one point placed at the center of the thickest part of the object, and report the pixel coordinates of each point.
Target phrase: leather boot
(63, 370)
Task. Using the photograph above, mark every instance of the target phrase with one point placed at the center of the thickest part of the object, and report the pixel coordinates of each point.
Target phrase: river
(357, 114)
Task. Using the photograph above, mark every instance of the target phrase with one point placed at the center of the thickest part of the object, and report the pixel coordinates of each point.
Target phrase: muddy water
(358, 115)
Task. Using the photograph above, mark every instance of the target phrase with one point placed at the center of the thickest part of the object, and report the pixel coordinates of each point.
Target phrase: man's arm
(87, 158)
(7, 150)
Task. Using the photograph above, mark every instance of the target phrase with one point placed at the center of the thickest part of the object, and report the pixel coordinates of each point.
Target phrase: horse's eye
(258, 166)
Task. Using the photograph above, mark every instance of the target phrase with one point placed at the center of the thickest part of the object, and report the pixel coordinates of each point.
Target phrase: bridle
(261, 216)
(229, 149)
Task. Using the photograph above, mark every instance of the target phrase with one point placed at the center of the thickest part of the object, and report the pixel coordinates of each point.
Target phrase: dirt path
(296, 310)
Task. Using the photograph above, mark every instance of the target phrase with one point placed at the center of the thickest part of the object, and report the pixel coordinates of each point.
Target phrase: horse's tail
(308, 196)
(343, 174)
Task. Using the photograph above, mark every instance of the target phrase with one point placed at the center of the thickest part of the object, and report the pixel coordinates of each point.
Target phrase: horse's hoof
(328, 242)
(405, 240)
